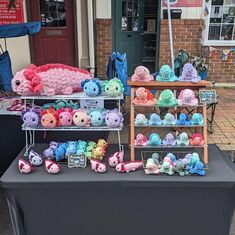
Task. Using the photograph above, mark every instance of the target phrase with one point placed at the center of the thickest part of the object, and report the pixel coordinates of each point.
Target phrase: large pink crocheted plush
(142, 74)
(49, 79)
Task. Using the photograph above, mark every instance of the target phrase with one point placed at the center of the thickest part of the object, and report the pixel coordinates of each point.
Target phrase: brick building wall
(103, 44)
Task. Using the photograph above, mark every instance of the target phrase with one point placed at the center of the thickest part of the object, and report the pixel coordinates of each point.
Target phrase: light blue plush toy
(194, 159)
(92, 87)
(182, 139)
(60, 152)
(81, 147)
(197, 119)
(140, 119)
(155, 119)
(97, 118)
(71, 148)
(197, 169)
(166, 74)
(154, 139)
(172, 157)
(183, 120)
(169, 119)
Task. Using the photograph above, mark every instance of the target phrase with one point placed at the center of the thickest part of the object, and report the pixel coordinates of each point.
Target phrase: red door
(56, 41)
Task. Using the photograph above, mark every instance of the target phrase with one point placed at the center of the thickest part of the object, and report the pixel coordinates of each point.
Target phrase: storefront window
(220, 23)
(52, 13)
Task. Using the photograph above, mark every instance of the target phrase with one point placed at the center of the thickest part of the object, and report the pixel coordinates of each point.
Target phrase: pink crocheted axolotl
(49, 79)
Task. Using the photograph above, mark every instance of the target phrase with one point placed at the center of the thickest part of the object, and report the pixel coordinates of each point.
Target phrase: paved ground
(224, 136)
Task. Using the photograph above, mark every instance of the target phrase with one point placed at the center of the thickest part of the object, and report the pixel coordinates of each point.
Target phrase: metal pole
(170, 34)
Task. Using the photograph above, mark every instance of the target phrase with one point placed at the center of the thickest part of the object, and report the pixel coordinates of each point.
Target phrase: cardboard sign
(76, 160)
(14, 16)
(183, 3)
(207, 96)
(92, 104)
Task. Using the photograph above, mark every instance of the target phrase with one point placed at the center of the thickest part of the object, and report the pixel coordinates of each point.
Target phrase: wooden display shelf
(176, 86)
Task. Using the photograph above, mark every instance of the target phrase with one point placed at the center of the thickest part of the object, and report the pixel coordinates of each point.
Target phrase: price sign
(76, 160)
(92, 104)
(207, 96)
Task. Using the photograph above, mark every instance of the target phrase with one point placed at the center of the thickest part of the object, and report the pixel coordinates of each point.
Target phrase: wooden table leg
(205, 150)
(132, 130)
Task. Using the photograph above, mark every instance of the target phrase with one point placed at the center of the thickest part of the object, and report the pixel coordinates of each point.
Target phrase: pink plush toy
(24, 166)
(196, 140)
(142, 74)
(144, 97)
(116, 158)
(151, 167)
(81, 118)
(65, 117)
(141, 140)
(98, 166)
(49, 79)
(52, 167)
(128, 166)
(49, 118)
(187, 97)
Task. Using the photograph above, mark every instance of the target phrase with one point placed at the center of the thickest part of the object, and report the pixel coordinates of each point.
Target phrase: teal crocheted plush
(166, 74)
(167, 99)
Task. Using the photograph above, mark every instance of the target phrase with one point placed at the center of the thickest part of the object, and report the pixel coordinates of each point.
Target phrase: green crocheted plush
(167, 99)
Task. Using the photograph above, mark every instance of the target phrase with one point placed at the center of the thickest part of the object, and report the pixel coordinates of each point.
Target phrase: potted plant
(201, 65)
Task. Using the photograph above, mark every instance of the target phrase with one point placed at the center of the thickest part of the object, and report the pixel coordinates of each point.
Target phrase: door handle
(129, 35)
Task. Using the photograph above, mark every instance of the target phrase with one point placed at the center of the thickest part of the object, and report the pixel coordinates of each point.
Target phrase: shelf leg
(205, 150)
(132, 131)
(119, 141)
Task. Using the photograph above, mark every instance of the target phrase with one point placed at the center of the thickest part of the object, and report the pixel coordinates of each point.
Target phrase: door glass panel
(52, 13)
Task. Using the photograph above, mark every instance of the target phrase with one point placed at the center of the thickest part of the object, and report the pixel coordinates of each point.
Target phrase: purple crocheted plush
(189, 74)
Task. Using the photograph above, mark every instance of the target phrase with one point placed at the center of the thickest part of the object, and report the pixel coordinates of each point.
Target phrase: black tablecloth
(79, 201)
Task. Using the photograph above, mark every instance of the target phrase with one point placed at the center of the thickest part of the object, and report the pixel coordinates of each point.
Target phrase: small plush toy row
(189, 165)
(50, 118)
(169, 140)
(166, 74)
(95, 87)
(167, 98)
(169, 119)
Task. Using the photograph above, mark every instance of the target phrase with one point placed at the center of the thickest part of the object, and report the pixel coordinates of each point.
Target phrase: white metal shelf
(168, 147)
(11, 113)
(74, 96)
(176, 106)
(163, 126)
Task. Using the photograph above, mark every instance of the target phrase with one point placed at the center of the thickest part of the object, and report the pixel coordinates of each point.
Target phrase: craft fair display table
(79, 201)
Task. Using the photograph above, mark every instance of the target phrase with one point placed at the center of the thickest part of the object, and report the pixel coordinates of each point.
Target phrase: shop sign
(13, 16)
(92, 104)
(76, 160)
(183, 3)
(207, 96)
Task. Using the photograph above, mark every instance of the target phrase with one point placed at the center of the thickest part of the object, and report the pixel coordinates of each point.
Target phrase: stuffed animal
(98, 166)
(34, 158)
(180, 168)
(60, 152)
(155, 157)
(81, 119)
(58, 104)
(169, 140)
(102, 143)
(52, 167)
(71, 148)
(24, 166)
(90, 146)
(128, 166)
(155, 119)
(189, 74)
(166, 74)
(197, 119)
(151, 167)
(98, 153)
(144, 97)
(187, 98)
(81, 147)
(140, 119)
(194, 159)
(113, 87)
(169, 119)
(142, 74)
(197, 169)
(116, 158)
(50, 152)
(113, 118)
(31, 117)
(141, 140)
(167, 99)
(96, 117)
(182, 139)
(197, 140)
(65, 117)
(92, 87)
(187, 159)
(154, 139)
(49, 79)
(166, 168)
(183, 120)
(172, 158)
(49, 118)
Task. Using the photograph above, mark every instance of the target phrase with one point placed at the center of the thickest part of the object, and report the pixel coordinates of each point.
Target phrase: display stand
(30, 132)
(176, 86)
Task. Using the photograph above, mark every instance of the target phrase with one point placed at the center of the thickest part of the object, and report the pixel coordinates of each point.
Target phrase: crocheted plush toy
(113, 118)
(151, 167)
(128, 166)
(189, 74)
(60, 152)
(113, 87)
(98, 166)
(167, 99)
(52, 167)
(197, 169)
(116, 158)
(35, 159)
(187, 98)
(140, 119)
(141, 140)
(31, 117)
(155, 119)
(81, 119)
(98, 153)
(71, 148)
(96, 117)
(49, 118)
(172, 158)
(169, 119)
(89, 149)
(197, 119)
(144, 97)
(166, 168)
(182, 139)
(183, 120)
(102, 143)
(142, 74)
(92, 87)
(154, 139)
(194, 159)
(169, 140)
(180, 168)
(81, 147)
(197, 140)
(24, 166)
(49, 79)
(166, 74)
(65, 117)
